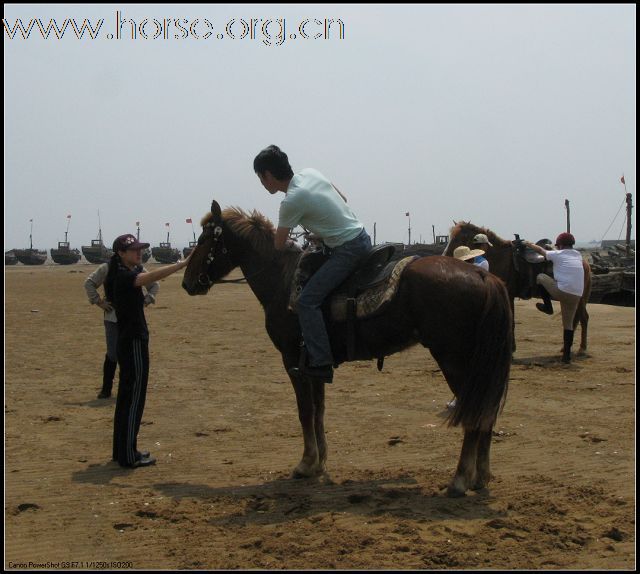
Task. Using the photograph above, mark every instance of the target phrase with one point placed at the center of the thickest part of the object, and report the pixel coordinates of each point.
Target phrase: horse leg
(455, 374)
(309, 465)
(318, 419)
(513, 323)
(483, 473)
(465, 476)
(582, 316)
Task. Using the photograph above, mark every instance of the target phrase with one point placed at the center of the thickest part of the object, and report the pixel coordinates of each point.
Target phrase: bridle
(204, 278)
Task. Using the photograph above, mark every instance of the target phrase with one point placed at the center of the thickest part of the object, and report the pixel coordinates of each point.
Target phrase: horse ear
(215, 210)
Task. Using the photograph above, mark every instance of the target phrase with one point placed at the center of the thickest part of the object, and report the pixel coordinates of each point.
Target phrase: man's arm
(282, 237)
(92, 283)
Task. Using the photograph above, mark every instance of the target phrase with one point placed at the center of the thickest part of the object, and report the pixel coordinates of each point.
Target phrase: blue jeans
(341, 263)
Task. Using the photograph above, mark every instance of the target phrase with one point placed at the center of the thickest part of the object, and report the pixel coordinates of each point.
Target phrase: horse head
(211, 259)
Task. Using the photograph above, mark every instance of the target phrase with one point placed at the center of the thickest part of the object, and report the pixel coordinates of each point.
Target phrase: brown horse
(460, 312)
(518, 273)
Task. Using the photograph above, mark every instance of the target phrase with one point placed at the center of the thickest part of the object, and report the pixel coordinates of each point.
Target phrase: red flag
(189, 220)
(622, 180)
(407, 214)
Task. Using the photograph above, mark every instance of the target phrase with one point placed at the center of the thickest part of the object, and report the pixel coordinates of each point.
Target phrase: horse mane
(253, 228)
(465, 232)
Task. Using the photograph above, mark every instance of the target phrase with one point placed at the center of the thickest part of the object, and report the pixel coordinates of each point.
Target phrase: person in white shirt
(313, 202)
(566, 286)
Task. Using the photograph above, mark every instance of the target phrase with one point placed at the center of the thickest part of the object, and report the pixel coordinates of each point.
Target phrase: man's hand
(105, 305)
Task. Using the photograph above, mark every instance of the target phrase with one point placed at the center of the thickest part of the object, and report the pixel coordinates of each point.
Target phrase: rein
(204, 278)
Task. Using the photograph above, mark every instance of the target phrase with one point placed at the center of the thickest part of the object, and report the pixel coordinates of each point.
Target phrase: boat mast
(67, 231)
(566, 204)
(629, 206)
(31, 235)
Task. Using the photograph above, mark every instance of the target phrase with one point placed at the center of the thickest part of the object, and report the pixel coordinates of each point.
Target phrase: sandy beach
(222, 422)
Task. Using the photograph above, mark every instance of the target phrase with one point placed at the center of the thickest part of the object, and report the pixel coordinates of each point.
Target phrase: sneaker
(104, 395)
(139, 454)
(542, 307)
(452, 403)
(144, 461)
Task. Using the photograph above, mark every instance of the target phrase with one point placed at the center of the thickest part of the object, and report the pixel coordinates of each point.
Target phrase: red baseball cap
(128, 241)
(565, 239)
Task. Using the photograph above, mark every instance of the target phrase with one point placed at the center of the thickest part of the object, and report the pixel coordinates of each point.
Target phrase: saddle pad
(371, 301)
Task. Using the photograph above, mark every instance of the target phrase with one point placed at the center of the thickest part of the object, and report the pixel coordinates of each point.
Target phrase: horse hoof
(454, 492)
(305, 471)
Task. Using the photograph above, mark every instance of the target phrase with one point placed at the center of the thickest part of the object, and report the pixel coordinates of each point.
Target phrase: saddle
(535, 264)
(364, 293)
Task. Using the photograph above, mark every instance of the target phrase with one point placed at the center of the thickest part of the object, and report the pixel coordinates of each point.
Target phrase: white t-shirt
(567, 270)
(311, 201)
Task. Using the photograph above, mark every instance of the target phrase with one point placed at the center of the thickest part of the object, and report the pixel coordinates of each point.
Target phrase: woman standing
(123, 287)
(567, 284)
(91, 285)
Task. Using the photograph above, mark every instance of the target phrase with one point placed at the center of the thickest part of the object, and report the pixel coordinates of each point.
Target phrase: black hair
(273, 159)
(114, 263)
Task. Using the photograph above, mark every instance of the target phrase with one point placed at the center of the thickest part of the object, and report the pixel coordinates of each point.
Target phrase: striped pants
(133, 357)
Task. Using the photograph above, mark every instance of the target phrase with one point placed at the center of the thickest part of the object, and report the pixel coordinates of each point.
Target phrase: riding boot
(546, 306)
(568, 341)
(108, 372)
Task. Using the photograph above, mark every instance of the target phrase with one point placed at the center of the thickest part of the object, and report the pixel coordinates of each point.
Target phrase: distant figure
(123, 286)
(481, 241)
(465, 254)
(567, 285)
(473, 256)
(91, 285)
(312, 201)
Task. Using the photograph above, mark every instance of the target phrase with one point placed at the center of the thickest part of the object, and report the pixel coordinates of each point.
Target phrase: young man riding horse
(312, 201)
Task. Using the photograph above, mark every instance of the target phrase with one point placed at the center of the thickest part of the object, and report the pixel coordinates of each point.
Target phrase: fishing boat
(187, 250)
(64, 255)
(614, 268)
(192, 244)
(97, 252)
(10, 258)
(165, 253)
(30, 256)
(146, 253)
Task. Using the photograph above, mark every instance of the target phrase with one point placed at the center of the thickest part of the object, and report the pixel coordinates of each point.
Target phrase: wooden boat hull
(97, 255)
(164, 255)
(65, 256)
(30, 256)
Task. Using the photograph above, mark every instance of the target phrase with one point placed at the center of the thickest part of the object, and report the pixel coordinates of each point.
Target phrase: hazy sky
(493, 113)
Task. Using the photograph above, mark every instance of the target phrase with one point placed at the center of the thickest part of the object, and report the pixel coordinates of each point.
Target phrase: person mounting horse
(511, 261)
(566, 285)
(312, 201)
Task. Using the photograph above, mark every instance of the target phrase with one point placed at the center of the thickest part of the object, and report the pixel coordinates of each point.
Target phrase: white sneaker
(452, 403)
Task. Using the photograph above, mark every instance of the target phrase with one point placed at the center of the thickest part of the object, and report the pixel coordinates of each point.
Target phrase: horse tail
(483, 394)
